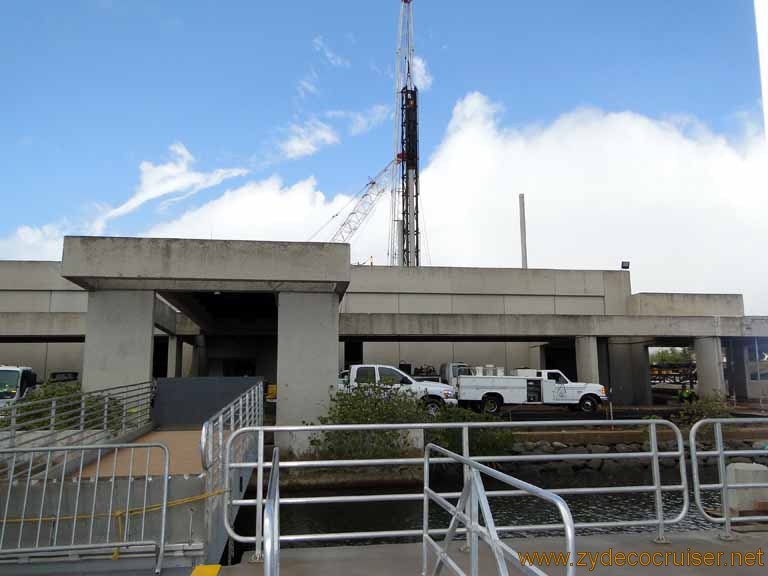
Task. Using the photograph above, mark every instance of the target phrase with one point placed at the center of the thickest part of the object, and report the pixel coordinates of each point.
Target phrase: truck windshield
(9, 382)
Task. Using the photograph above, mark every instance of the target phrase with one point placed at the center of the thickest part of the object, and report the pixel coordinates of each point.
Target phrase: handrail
(79, 418)
(652, 454)
(272, 519)
(473, 500)
(42, 483)
(722, 484)
(246, 410)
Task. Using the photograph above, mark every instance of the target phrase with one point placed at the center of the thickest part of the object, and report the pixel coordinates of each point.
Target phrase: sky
(634, 128)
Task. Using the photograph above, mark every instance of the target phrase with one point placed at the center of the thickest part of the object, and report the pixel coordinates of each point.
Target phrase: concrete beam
(165, 316)
(177, 264)
(42, 326)
(541, 326)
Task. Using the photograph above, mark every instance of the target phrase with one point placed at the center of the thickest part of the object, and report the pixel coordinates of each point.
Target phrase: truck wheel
(589, 403)
(492, 404)
(432, 406)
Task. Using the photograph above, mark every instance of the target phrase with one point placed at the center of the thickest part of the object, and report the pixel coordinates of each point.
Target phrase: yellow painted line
(207, 570)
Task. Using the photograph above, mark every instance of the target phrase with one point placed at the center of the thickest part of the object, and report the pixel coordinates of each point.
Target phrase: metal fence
(245, 411)
(472, 503)
(80, 418)
(653, 455)
(272, 519)
(721, 455)
(75, 500)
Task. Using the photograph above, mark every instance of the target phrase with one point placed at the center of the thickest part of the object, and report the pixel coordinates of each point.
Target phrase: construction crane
(401, 175)
(404, 248)
(365, 204)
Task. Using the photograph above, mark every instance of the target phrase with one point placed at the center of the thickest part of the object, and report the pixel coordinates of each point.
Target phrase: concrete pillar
(709, 366)
(200, 356)
(307, 358)
(175, 349)
(737, 370)
(630, 377)
(119, 338)
(587, 367)
(537, 357)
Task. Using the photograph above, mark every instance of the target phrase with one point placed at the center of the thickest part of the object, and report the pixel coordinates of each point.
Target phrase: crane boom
(374, 190)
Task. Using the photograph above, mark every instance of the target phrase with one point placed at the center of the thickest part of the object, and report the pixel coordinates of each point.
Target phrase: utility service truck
(433, 394)
(491, 392)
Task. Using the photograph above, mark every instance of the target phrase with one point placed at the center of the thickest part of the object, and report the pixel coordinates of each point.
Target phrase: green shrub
(379, 404)
(368, 403)
(713, 406)
(485, 442)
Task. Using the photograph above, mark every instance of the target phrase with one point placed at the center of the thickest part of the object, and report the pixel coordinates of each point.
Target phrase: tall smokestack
(761, 24)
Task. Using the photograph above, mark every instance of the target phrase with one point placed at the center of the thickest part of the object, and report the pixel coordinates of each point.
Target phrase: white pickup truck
(524, 387)
(433, 394)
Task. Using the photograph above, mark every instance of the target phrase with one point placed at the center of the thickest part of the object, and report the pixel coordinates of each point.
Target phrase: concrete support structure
(307, 355)
(587, 366)
(737, 374)
(630, 382)
(200, 356)
(175, 349)
(709, 366)
(119, 338)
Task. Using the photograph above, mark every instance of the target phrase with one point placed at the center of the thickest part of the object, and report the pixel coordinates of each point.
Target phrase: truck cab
(432, 394)
(450, 372)
(15, 382)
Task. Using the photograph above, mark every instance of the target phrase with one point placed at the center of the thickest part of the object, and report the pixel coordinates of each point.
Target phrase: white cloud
(307, 138)
(159, 180)
(332, 57)
(685, 206)
(263, 210)
(361, 122)
(761, 23)
(421, 76)
(34, 243)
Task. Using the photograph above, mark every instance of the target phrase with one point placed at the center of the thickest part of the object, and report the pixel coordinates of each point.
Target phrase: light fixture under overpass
(625, 264)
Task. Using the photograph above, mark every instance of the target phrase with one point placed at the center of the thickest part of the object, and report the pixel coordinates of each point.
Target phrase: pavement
(405, 559)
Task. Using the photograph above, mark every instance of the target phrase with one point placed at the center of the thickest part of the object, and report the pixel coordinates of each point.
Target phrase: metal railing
(473, 502)
(80, 418)
(65, 501)
(245, 411)
(653, 455)
(272, 519)
(722, 485)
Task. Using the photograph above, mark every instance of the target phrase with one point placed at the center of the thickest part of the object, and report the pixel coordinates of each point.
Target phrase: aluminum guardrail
(80, 418)
(49, 506)
(653, 455)
(473, 501)
(245, 411)
(272, 519)
(722, 455)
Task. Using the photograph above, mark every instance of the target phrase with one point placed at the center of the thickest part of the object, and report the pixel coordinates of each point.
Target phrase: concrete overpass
(280, 309)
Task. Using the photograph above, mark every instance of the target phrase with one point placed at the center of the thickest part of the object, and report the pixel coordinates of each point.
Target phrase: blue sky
(91, 89)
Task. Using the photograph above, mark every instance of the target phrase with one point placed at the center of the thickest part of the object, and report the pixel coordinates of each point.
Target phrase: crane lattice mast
(374, 190)
(404, 247)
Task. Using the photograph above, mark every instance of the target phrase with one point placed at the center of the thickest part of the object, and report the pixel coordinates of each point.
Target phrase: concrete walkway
(405, 559)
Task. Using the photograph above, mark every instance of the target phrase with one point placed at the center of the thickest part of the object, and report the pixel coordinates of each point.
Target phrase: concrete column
(587, 367)
(175, 348)
(200, 356)
(307, 357)
(119, 338)
(737, 371)
(630, 378)
(709, 366)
